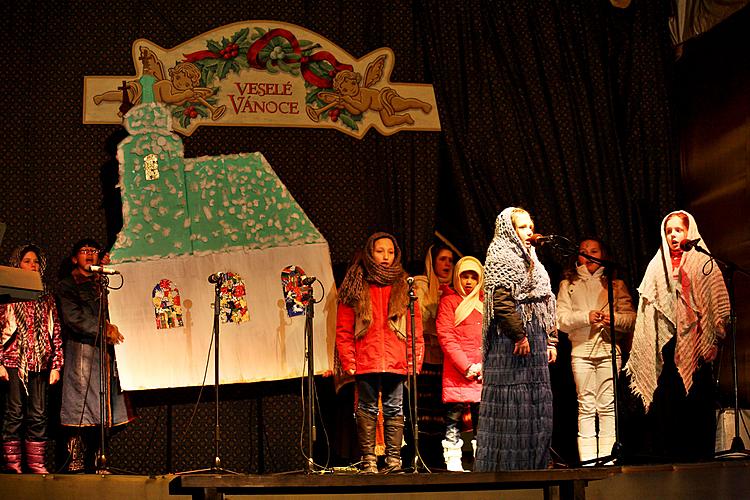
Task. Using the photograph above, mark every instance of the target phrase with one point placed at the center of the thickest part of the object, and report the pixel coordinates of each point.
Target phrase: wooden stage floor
(711, 480)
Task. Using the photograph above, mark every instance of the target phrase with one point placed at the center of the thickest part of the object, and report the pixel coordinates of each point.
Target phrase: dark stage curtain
(560, 107)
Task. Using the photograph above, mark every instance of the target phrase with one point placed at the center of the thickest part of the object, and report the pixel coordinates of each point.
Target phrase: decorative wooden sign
(265, 74)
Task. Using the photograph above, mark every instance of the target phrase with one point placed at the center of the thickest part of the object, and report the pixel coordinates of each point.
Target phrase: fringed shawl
(513, 266)
(686, 301)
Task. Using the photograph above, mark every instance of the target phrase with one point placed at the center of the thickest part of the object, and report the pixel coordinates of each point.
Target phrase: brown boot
(35, 456)
(12, 454)
(393, 428)
(366, 425)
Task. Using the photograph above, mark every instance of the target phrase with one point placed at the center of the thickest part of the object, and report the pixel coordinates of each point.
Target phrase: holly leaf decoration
(347, 120)
(213, 46)
(240, 36)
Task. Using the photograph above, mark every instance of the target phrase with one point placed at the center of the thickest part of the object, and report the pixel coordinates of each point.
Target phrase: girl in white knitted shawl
(682, 313)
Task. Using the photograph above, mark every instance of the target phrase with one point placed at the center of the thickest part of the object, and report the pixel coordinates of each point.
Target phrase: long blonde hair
(514, 219)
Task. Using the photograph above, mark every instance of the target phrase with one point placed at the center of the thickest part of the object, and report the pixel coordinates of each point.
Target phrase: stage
(715, 480)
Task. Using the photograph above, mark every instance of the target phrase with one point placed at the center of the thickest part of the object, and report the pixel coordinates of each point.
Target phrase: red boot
(12, 454)
(35, 455)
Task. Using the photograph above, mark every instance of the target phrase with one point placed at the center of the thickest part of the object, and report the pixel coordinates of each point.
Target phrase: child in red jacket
(459, 328)
(373, 339)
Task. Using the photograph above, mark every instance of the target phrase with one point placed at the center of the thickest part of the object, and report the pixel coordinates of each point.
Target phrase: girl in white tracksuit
(583, 313)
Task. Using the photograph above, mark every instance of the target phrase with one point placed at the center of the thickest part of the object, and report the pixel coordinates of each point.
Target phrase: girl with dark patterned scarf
(30, 358)
(373, 339)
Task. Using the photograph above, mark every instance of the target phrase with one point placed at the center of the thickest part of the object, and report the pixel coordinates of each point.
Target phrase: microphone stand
(737, 448)
(105, 416)
(310, 356)
(217, 279)
(569, 248)
(101, 341)
(417, 459)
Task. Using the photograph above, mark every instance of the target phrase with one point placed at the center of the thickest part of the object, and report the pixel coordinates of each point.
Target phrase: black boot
(366, 425)
(393, 428)
(75, 455)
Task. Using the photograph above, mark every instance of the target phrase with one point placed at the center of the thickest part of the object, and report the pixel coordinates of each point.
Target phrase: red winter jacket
(462, 347)
(378, 350)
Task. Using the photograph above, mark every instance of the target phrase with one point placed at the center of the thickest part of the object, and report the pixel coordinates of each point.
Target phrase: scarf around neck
(355, 289)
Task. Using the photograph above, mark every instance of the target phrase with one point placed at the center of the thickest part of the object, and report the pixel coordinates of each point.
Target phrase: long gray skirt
(80, 392)
(515, 415)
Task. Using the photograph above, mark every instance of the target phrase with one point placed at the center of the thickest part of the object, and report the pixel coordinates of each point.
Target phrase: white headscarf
(470, 301)
(695, 305)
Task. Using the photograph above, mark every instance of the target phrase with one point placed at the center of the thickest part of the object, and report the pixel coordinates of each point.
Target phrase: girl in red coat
(373, 339)
(459, 327)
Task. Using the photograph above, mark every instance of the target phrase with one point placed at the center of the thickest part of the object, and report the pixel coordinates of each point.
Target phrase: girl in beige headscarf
(682, 313)
(459, 326)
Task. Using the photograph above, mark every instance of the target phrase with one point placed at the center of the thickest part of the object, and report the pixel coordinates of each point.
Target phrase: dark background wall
(712, 109)
(565, 108)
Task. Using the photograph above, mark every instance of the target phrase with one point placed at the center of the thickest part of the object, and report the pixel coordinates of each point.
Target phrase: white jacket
(575, 301)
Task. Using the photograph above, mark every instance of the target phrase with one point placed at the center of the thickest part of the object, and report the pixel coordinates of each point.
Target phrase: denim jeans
(392, 387)
(454, 415)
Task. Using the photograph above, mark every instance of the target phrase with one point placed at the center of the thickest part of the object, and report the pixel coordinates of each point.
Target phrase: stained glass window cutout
(167, 305)
(233, 299)
(296, 295)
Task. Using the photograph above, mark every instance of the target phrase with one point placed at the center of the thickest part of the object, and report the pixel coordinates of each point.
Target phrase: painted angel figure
(357, 99)
(180, 87)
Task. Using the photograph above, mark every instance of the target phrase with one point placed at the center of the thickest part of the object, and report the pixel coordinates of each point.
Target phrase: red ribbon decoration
(254, 52)
(311, 77)
(253, 55)
(200, 55)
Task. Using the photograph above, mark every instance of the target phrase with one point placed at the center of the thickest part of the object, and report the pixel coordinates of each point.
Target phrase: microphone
(308, 280)
(687, 245)
(102, 270)
(538, 240)
(216, 278)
